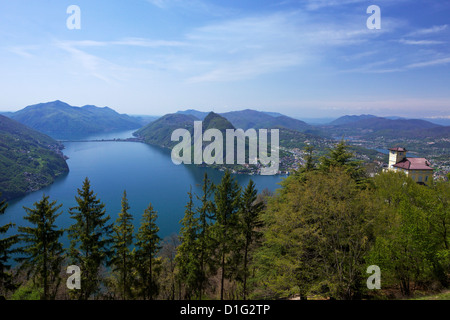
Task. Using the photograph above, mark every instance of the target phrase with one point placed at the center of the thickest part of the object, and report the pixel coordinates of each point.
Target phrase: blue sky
(310, 58)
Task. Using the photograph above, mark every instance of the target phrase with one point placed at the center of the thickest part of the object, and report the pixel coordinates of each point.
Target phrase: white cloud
(319, 4)
(429, 63)
(420, 42)
(426, 31)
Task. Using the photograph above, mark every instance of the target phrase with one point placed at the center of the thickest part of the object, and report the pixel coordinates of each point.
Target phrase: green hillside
(159, 132)
(29, 160)
(60, 120)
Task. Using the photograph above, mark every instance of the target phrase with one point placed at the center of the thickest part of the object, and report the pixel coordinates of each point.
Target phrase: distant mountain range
(350, 119)
(29, 160)
(59, 119)
(246, 119)
(371, 126)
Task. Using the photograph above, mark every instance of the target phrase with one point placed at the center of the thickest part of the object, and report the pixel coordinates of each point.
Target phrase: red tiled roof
(414, 164)
(398, 149)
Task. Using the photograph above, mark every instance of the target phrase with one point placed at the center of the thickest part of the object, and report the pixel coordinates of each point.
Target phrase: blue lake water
(146, 172)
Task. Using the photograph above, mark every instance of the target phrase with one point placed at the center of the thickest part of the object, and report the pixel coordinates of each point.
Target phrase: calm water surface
(146, 172)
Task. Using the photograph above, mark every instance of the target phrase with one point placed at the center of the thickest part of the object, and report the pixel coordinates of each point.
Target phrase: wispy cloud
(22, 51)
(427, 31)
(251, 46)
(421, 42)
(319, 4)
(429, 63)
(85, 63)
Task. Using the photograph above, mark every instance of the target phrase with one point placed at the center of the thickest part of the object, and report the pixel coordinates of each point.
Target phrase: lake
(146, 172)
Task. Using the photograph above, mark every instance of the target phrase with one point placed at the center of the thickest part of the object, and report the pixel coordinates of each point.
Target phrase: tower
(396, 155)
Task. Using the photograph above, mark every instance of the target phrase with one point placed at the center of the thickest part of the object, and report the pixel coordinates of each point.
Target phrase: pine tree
(122, 239)
(227, 203)
(341, 157)
(250, 222)
(309, 159)
(6, 281)
(205, 215)
(187, 257)
(89, 235)
(43, 252)
(148, 246)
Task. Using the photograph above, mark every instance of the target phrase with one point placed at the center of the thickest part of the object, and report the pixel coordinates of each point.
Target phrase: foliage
(29, 160)
(148, 246)
(42, 251)
(317, 231)
(122, 239)
(6, 250)
(89, 235)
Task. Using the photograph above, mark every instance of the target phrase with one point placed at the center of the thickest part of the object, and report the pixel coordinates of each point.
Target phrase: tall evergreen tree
(187, 257)
(90, 241)
(309, 158)
(341, 157)
(6, 281)
(148, 246)
(251, 223)
(42, 252)
(227, 203)
(205, 216)
(122, 239)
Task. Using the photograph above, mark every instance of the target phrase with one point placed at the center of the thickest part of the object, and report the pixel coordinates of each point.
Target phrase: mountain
(350, 119)
(198, 114)
(216, 121)
(29, 160)
(247, 119)
(273, 114)
(378, 124)
(159, 132)
(61, 120)
(440, 121)
(144, 119)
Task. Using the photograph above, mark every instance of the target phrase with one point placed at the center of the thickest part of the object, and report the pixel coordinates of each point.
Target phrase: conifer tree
(250, 222)
(205, 215)
(309, 158)
(90, 241)
(6, 281)
(341, 157)
(187, 257)
(122, 239)
(227, 203)
(42, 252)
(148, 246)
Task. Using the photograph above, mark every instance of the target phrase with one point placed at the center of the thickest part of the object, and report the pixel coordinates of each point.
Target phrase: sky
(302, 58)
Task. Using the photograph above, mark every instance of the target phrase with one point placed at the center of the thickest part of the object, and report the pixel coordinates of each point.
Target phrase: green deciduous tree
(411, 230)
(42, 251)
(317, 233)
(90, 239)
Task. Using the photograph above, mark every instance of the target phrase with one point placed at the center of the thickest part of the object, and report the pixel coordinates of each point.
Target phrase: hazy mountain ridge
(59, 119)
(29, 160)
(246, 119)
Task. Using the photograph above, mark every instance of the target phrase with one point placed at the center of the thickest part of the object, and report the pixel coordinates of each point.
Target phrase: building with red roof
(419, 169)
